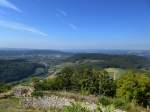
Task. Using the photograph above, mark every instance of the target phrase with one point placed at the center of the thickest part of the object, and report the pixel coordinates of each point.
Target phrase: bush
(119, 103)
(4, 87)
(132, 107)
(93, 81)
(66, 77)
(37, 93)
(106, 84)
(105, 101)
(101, 108)
(48, 84)
(75, 107)
(134, 86)
(86, 80)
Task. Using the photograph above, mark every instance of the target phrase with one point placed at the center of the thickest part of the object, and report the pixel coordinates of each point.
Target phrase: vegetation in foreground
(13, 105)
(131, 91)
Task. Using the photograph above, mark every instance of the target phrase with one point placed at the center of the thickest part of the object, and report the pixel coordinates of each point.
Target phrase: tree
(66, 76)
(98, 82)
(86, 80)
(134, 86)
(104, 83)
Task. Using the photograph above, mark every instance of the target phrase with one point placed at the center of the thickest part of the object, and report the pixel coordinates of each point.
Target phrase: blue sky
(75, 24)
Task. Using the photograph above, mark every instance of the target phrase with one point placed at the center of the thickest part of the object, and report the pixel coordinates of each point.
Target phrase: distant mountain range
(47, 52)
(145, 53)
(31, 52)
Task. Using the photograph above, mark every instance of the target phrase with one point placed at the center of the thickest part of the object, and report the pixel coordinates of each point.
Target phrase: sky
(75, 24)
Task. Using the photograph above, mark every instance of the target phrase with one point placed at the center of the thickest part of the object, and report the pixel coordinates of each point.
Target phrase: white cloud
(62, 12)
(7, 4)
(74, 27)
(20, 26)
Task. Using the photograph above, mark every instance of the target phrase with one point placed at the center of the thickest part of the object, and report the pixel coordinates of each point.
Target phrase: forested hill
(27, 52)
(15, 70)
(106, 60)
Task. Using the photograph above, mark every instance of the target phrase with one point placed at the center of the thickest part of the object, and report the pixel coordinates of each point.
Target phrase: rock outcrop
(22, 91)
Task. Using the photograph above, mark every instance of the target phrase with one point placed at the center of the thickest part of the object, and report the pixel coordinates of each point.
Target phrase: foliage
(116, 72)
(105, 101)
(133, 107)
(4, 87)
(15, 70)
(134, 86)
(37, 93)
(90, 80)
(105, 83)
(114, 61)
(93, 81)
(66, 77)
(75, 107)
(48, 84)
(102, 108)
(119, 103)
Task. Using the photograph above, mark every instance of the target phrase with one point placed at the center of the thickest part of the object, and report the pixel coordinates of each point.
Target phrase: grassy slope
(9, 105)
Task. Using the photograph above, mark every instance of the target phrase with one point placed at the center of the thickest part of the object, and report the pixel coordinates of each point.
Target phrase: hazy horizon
(75, 49)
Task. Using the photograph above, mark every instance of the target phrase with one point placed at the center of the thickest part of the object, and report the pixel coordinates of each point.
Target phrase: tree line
(16, 70)
(133, 86)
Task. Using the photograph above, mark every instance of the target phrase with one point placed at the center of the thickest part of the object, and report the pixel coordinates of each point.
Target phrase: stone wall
(22, 91)
(45, 102)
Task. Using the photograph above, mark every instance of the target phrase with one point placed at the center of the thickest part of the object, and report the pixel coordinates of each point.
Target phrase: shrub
(48, 84)
(119, 103)
(134, 86)
(97, 82)
(66, 77)
(132, 107)
(37, 93)
(105, 101)
(101, 108)
(75, 107)
(106, 84)
(4, 87)
(86, 80)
